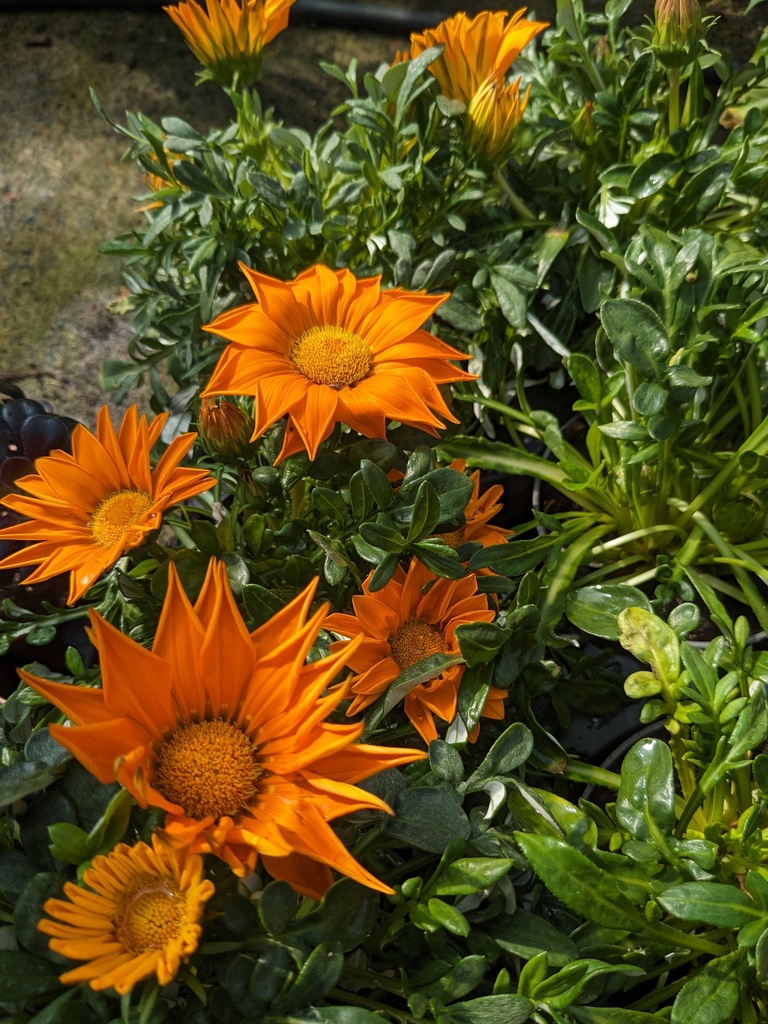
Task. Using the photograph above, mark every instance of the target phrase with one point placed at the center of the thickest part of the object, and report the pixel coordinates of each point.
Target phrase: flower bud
(225, 428)
(678, 24)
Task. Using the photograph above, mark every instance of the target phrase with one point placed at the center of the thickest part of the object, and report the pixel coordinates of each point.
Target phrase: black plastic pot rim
(331, 13)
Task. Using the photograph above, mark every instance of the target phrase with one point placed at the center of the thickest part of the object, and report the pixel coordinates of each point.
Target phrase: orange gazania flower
(87, 509)
(327, 348)
(493, 114)
(228, 38)
(399, 625)
(475, 48)
(225, 731)
(481, 508)
(139, 916)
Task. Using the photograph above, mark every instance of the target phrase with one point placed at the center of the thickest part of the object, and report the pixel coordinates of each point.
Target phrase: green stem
(353, 999)
(674, 100)
(514, 199)
(589, 773)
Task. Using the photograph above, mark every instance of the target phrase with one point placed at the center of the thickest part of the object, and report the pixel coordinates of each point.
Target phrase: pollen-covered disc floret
(329, 348)
(85, 509)
(208, 768)
(140, 914)
(122, 518)
(226, 732)
(413, 616)
(330, 355)
(414, 640)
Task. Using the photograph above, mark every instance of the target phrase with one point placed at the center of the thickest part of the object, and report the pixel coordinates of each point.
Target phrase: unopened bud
(225, 428)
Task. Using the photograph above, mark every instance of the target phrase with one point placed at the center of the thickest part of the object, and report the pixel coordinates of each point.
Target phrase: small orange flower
(475, 49)
(481, 508)
(493, 114)
(87, 509)
(229, 37)
(329, 348)
(225, 731)
(399, 625)
(139, 916)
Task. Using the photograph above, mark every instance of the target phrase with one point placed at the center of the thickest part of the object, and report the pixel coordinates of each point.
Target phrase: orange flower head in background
(475, 48)
(139, 916)
(481, 508)
(226, 732)
(330, 348)
(227, 36)
(399, 625)
(493, 114)
(87, 509)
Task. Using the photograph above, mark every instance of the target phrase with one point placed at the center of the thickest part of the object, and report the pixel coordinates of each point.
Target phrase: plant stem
(579, 771)
(514, 199)
(674, 100)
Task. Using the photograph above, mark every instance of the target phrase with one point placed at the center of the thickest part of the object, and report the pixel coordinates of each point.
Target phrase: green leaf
(751, 727)
(595, 610)
(277, 907)
(319, 974)
(428, 818)
(580, 884)
(426, 512)
(713, 903)
(29, 910)
(459, 315)
(21, 778)
(527, 935)
(637, 334)
(510, 750)
(711, 995)
(651, 640)
(613, 1015)
(468, 875)
(448, 917)
(23, 976)
(378, 484)
(500, 1009)
(653, 174)
(480, 642)
(445, 762)
(645, 803)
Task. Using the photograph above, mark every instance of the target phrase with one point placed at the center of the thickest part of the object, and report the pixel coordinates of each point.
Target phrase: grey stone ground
(64, 190)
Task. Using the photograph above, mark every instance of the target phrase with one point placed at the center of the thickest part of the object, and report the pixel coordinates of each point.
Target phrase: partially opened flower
(86, 509)
(226, 732)
(401, 624)
(329, 348)
(475, 48)
(139, 916)
(227, 36)
(493, 114)
(481, 508)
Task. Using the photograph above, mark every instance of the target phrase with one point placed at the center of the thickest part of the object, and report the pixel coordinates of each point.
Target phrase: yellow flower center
(150, 915)
(331, 355)
(119, 518)
(208, 768)
(415, 640)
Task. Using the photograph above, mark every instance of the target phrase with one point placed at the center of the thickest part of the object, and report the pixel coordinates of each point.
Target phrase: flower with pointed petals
(139, 916)
(399, 625)
(481, 508)
(227, 36)
(226, 732)
(475, 48)
(327, 348)
(86, 509)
